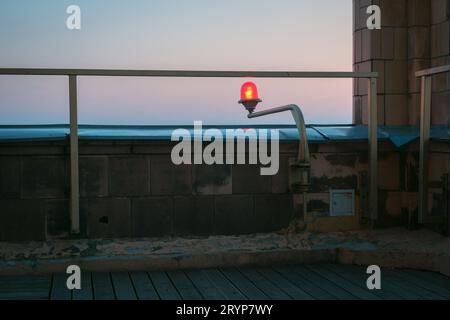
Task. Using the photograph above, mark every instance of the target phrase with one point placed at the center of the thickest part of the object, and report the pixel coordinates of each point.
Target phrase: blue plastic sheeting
(347, 133)
(13, 133)
(399, 136)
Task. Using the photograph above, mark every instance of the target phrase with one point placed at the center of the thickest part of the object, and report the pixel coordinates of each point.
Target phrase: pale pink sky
(293, 35)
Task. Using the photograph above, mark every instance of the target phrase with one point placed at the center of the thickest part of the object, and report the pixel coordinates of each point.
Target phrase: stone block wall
(132, 189)
(414, 36)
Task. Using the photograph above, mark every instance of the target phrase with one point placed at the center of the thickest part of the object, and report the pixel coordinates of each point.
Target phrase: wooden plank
(413, 287)
(272, 291)
(25, 288)
(436, 278)
(358, 276)
(425, 285)
(123, 287)
(143, 285)
(103, 288)
(204, 285)
(59, 289)
(357, 291)
(166, 290)
(293, 291)
(244, 285)
(324, 283)
(229, 291)
(406, 288)
(184, 286)
(305, 284)
(86, 292)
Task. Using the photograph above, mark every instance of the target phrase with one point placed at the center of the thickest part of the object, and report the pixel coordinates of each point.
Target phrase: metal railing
(74, 73)
(425, 124)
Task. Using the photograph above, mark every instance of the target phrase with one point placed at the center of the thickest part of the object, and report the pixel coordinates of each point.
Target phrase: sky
(258, 35)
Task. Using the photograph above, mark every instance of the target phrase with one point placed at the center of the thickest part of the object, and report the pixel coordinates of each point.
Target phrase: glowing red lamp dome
(249, 96)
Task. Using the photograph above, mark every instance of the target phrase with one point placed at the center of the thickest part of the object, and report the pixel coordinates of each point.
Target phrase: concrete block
(211, 180)
(108, 218)
(381, 110)
(333, 171)
(440, 108)
(394, 13)
(439, 164)
(396, 110)
(387, 45)
(169, 179)
(44, 177)
(22, 220)
(280, 181)
(183, 216)
(193, 215)
(439, 11)
(272, 212)
(401, 43)
(419, 42)
(10, 177)
(129, 176)
(152, 217)
(58, 218)
(419, 12)
(357, 111)
(396, 81)
(389, 171)
(440, 35)
(414, 109)
(247, 179)
(93, 176)
(234, 215)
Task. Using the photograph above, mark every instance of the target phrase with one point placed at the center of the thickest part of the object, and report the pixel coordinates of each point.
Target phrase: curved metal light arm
(303, 150)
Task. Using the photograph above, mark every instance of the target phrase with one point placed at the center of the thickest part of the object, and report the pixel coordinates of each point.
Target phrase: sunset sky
(260, 35)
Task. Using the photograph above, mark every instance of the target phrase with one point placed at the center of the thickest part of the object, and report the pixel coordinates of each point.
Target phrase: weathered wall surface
(132, 189)
(415, 35)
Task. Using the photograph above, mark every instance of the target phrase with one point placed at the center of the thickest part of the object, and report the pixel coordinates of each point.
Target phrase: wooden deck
(308, 282)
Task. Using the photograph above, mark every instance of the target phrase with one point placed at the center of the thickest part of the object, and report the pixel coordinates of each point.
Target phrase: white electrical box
(342, 203)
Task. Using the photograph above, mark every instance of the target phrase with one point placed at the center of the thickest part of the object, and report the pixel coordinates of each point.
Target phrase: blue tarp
(399, 136)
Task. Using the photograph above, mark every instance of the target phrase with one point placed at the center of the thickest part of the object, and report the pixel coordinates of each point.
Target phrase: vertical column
(74, 178)
(425, 120)
(373, 149)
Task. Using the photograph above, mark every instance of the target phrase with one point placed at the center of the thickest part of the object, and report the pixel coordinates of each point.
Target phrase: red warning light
(249, 96)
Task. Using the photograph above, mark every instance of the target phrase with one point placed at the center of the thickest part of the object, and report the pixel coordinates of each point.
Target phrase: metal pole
(425, 122)
(74, 178)
(373, 150)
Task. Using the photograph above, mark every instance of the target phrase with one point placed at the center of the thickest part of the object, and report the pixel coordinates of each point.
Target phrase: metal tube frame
(74, 73)
(425, 125)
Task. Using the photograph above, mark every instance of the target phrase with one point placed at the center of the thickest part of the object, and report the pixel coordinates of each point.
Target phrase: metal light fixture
(299, 174)
(249, 96)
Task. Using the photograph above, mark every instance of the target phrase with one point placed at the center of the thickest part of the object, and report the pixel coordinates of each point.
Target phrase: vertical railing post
(74, 177)
(425, 123)
(373, 150)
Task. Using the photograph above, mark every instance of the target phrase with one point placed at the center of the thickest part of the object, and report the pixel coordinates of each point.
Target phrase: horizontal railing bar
(184, 73)
(433, 71)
